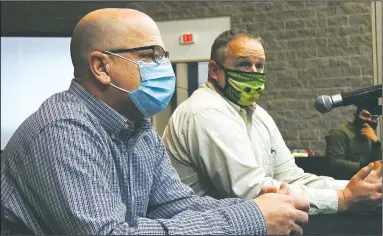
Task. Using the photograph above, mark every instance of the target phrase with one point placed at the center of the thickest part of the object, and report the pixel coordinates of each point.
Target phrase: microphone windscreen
(323, 104)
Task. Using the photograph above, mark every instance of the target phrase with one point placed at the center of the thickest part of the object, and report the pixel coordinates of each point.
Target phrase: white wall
(32, 69)
(202, 72)
(205, 31)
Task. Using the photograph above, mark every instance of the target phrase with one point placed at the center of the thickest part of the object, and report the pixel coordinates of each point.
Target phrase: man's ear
(99, 67)
(213, 69)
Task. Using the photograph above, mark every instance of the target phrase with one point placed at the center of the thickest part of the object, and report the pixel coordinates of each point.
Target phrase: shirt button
(113, 136)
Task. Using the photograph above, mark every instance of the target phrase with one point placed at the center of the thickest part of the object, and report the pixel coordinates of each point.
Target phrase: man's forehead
(144, 40)
(141, 32)
(145, 44)
(244, 47)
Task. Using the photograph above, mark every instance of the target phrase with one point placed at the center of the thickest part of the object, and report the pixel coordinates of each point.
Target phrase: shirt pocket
(270, 163)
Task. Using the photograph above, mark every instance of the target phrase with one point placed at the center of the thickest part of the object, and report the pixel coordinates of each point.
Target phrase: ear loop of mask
(114, 54)
(139, 72)
(226, 77)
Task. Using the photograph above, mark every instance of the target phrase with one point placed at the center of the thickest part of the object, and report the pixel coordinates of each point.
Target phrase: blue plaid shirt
(76, 166)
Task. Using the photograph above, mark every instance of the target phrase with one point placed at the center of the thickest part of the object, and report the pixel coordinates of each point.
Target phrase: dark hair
(224, 38)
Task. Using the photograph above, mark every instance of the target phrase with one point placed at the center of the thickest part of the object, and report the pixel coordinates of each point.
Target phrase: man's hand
(283, 189)
(376, 174)
(360, 195)
(284, 214)
(369, 133)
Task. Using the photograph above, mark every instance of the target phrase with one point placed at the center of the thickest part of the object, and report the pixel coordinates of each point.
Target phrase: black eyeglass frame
(157, 57)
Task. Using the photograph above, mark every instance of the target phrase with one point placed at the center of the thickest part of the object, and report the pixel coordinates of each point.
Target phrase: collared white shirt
(223, 150)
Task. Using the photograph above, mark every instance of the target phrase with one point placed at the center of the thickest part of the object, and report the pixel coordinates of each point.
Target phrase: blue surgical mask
(156, 88)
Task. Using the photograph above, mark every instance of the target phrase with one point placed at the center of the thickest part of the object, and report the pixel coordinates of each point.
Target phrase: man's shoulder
(59, 107)
(205, 99)
(344, 129)
(204, 104)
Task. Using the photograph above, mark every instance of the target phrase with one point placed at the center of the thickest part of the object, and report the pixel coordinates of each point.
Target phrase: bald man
(89, 162)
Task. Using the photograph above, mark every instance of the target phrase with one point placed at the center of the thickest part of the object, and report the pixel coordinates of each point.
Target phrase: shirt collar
(112, 121)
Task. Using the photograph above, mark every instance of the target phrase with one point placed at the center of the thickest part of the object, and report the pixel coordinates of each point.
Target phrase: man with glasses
(353, 145)
(89, 162)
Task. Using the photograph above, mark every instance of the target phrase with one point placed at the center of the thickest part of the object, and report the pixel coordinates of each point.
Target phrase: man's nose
(254, 69)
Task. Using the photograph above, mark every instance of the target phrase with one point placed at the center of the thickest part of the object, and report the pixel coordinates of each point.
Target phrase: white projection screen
(32, 69)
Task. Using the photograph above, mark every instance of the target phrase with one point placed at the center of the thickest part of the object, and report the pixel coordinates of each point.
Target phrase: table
(317, 165)
(343, 224)
(336, 224)
(321, 165)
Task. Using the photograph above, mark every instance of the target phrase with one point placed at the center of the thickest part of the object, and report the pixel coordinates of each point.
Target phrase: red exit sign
(187, 38)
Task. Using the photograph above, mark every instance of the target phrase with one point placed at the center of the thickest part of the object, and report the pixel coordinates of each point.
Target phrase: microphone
(325, 103)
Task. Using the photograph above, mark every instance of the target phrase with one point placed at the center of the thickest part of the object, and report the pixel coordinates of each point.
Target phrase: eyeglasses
(368, 116)
(155, 53)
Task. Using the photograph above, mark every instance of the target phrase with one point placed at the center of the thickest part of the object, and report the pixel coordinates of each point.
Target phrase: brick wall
(312, 48)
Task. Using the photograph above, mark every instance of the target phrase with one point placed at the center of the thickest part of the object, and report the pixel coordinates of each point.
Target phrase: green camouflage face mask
(243, 88)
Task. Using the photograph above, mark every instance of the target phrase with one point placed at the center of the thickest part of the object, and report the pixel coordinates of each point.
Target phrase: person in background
(89, 162)
(223, 144)
(353, 145)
